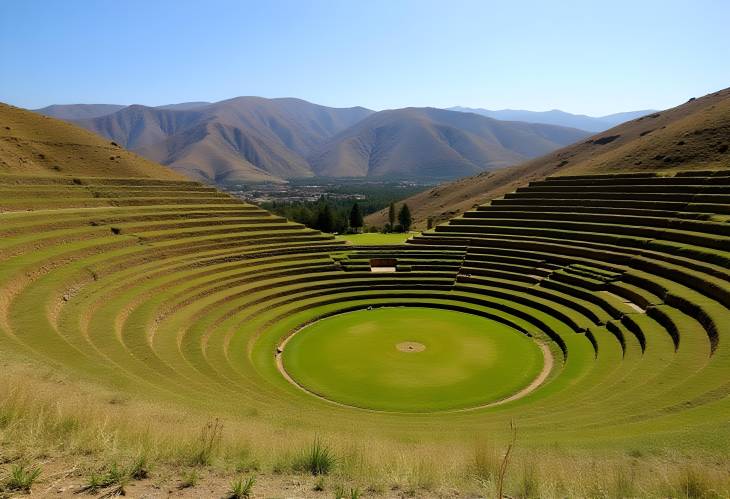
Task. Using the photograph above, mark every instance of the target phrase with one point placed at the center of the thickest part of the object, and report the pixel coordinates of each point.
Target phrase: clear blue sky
(580, 56)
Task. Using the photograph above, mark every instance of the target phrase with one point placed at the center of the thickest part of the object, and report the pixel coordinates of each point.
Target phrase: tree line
(338, 215)
(405, 220)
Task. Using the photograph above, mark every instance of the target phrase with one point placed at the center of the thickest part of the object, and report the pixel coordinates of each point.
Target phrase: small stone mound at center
(410, 346)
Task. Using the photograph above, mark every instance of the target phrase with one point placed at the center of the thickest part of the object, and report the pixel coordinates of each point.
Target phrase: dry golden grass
(47, 417)
(32, 144)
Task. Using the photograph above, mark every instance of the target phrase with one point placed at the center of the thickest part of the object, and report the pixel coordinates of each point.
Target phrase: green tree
(325, 219)
(391, 215)
(356, 221)
(404, 217)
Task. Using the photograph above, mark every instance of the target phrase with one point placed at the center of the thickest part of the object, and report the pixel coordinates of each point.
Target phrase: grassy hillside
(694, 135)
(31, 144)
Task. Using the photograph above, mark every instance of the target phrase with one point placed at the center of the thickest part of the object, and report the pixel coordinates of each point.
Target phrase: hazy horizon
(295, 97)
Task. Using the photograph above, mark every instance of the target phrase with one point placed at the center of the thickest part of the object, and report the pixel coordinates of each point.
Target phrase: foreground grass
(106, 444)
(376, 238)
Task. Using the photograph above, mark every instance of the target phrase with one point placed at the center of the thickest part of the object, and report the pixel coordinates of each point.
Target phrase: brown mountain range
(434, 143)
(255, 139)
(694, 135)
(236, 140)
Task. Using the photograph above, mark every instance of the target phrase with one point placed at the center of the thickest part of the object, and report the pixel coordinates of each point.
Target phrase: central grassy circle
(455, 360)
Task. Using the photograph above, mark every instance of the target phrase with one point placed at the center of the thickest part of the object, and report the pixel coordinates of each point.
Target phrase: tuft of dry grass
(21, 478)
(208, 445)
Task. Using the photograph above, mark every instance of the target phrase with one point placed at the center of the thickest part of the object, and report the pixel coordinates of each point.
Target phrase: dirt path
(547, 366)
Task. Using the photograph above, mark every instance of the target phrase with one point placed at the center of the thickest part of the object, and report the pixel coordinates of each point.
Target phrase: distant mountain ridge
(691, 136)
(557, 117)
(78, 111)
(253, 139)
(244, 139)
(87, 111)
(434, 143)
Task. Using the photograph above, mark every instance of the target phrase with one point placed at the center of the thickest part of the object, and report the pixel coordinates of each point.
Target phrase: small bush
(140, 469)
(208, 443)
(485, 466)
(319, 485)
(317, 460)
(623, 483)
(529, 482)
(113, 476)
(245, 462)
(116, 475)
(189, 479)
(242, 488)
(342, 493)
(693, 484)
(94, 482)
(22, 478)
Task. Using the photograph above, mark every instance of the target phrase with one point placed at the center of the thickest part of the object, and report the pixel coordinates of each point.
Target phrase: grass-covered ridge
(134, 312)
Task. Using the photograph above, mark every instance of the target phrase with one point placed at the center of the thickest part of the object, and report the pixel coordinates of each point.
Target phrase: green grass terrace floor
(411, 359)
(376, 238)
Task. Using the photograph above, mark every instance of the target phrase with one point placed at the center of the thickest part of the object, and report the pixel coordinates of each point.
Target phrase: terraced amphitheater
(180, 292)
(591, 311)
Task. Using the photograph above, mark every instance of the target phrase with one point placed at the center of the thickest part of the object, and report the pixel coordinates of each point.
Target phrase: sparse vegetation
(204, 449)
(22, 477)
(113, 476)
(140, 469)
(486, 465)
(529, 484)
(317, 459)
(344, 493)
(693, 483)
(189, 479)
(623, 482)
(242, 488)
(506, 459)
(319, 485)
(95, 482)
